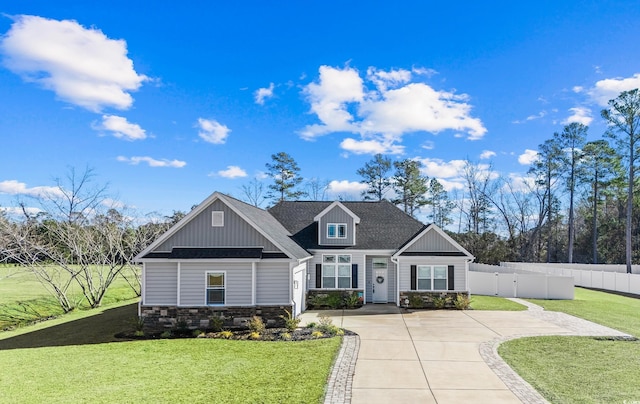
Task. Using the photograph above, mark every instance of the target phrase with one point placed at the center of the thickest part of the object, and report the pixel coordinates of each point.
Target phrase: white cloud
(578, 89)
(580, 115)
(17, 211)
(451, 173)
(262, 94)
(540, 114)
(370, 146)
(212, 131)
(528, 157)
(428, 145)
(487, 154)
(423, 71)
(121, 128)
(442, 169)
(418, 107)
(329, 98)
(261, 175)
(520, 183)
(452, 185)
(232, 172)
(152, 162)
(113, 204)
(82, 66)
(383, 80)
(344, 187)
(608, 89)
(13, 187)
(343, 103)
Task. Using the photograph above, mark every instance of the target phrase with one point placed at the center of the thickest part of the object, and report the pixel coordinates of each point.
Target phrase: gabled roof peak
(339, 204)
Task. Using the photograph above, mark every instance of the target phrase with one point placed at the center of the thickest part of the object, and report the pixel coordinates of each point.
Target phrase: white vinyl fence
(491, 280)
(608, 277)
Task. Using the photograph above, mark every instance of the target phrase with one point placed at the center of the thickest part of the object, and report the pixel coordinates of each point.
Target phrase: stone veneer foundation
(427, 299)
(159, 318)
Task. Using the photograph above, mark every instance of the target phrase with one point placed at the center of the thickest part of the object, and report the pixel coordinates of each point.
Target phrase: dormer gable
(336, 225)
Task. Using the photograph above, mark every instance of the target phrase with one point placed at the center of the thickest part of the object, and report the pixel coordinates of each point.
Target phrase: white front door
(380, 286)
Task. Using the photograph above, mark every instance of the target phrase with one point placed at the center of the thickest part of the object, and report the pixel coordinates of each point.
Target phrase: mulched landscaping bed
(270, 334)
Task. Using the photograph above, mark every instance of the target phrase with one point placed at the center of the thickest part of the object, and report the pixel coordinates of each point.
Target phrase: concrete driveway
(441, 356)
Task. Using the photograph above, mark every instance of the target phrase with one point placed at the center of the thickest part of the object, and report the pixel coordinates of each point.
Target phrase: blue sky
(172, 102)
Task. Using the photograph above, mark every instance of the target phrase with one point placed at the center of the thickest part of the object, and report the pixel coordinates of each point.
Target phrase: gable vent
(217, 219)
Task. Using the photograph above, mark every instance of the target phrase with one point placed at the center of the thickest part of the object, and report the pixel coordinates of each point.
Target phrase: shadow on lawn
(97, 329)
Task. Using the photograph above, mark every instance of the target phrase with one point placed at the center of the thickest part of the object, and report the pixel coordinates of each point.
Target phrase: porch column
(397, 281)
(364, 280)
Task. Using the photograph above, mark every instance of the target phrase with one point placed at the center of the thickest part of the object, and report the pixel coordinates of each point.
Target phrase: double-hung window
(215, 288)
(336, 230)
(432, 277)
(336, 271)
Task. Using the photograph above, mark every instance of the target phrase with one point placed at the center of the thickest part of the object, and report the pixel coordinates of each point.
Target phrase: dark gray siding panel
(236, 232)
(272, 283)
(336, 215)
(161, 283)
(432, 241)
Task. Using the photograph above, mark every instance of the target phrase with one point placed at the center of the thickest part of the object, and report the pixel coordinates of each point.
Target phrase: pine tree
(286, 178)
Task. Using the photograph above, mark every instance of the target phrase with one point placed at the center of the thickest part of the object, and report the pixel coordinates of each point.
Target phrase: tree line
(576, 203)
(79, 239)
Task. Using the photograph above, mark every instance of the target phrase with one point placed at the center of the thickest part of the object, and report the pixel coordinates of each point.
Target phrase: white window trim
(336, 274)
(206, 287)
(217, 218)
(337, 231)
(446, 277)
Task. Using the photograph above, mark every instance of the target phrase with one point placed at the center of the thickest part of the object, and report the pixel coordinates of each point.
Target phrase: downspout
(396, 261)
(292, 266)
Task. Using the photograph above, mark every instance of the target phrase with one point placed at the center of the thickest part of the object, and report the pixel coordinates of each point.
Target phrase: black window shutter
(414, 277)
(451, 281)
(318, 275)
(354, 276)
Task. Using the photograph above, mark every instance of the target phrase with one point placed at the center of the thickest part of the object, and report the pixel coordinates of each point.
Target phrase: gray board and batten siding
(161, 283)
(431, 241)
(235, 232)
(336, 215)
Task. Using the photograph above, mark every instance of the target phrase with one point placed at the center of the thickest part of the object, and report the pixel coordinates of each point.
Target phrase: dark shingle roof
(262, 219)
(382, 225)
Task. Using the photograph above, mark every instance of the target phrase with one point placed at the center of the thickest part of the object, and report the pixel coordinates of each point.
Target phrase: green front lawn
(615, 311)
(582, 369)
(23, 299)
(76, 358)
(169, 371)
(494, 303)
